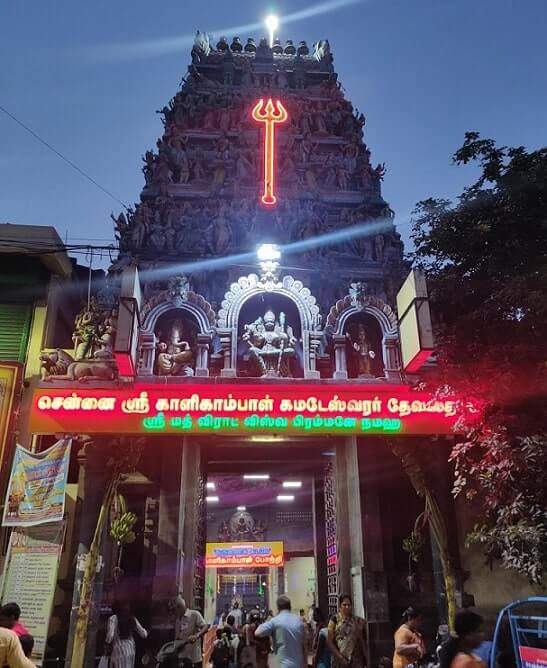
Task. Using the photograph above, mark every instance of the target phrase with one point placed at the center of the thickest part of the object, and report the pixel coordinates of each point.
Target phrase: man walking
(287, 632)
(190, 627)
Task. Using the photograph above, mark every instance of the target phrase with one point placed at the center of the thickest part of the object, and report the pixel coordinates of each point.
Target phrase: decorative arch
(378, 309)
(251, 286)
(357, 303)
(176, 300)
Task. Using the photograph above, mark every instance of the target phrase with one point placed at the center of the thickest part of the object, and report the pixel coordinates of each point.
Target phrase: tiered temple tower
(204, 180)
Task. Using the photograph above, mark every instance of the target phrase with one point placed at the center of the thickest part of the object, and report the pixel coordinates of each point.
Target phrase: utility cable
(60, 155)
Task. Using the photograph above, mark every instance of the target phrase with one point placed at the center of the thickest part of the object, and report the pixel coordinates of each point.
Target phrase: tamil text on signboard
(297, 408)
(243, 555)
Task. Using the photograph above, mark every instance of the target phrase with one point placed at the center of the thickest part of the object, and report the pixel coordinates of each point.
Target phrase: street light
(272, 24)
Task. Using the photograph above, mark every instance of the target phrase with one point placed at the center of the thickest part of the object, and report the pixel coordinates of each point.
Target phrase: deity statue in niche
(363, 352)
(175, 356)
(271, 346)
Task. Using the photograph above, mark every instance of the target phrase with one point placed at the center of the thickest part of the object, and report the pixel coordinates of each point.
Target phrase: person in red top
(9, 619)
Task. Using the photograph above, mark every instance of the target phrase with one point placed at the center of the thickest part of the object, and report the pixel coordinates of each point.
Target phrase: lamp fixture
(292, 484)
(212, 499)
(256, 476)
(285, 497)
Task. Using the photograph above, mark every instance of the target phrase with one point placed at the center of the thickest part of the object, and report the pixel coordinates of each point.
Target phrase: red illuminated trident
(270, 114)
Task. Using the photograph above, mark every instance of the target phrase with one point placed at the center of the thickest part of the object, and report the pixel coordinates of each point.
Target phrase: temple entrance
(266, 526)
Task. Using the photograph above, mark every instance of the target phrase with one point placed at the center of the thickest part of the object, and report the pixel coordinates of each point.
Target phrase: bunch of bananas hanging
(121, 528)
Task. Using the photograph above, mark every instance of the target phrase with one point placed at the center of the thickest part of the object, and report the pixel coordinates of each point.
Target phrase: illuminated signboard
(299, 408)
(232, 555)
(271, 114)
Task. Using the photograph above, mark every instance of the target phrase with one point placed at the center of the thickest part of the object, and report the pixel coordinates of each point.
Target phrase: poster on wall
(9, 374)
(36, 488)
(30, 577)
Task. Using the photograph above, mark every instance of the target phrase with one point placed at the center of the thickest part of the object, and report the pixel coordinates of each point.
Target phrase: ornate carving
(271, 346)
(241, 527)
(248, 285)
(382, 311)
(58, 365)
(178, 294)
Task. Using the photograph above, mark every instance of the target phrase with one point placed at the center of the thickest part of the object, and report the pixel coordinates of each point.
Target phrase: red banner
(239, 408)
(533, 657)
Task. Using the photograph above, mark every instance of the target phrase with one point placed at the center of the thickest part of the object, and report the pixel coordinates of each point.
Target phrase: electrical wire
(60, 155)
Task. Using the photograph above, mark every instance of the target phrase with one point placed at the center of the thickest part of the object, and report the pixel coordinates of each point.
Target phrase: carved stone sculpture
(176, 357)
(363, 352)
(59, 365)
(271, 345)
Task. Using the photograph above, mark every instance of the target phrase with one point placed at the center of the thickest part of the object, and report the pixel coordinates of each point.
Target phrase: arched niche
(159, 316)
(251, 290)
(381, 318)
(256, 307)
(363, 337)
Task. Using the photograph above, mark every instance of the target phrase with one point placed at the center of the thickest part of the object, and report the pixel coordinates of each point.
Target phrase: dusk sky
(88, 77)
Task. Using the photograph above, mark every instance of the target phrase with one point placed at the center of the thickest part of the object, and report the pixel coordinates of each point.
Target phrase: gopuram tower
(257, 334)
(205, 180)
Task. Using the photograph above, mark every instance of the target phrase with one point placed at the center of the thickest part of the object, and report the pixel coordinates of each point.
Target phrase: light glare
(268, 253)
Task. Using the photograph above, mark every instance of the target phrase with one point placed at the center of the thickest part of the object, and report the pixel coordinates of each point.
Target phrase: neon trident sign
(269, 114)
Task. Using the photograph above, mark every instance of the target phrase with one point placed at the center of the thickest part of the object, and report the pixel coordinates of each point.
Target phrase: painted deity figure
(176, 357)
(86, 330)
(271, 345)
(363, 352)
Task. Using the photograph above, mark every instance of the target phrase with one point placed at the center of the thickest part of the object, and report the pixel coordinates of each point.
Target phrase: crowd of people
(260, 639)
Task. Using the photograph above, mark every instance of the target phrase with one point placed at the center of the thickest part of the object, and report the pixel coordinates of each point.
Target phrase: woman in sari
(409, 644)
(346, 637)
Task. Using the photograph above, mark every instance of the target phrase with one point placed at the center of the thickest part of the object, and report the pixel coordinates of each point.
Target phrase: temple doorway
(265, 526)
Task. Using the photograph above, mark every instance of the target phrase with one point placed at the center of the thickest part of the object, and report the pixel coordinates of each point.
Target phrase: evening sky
(88, 77)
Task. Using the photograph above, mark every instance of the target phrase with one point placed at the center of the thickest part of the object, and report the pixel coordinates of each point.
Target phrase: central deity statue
(271, 345)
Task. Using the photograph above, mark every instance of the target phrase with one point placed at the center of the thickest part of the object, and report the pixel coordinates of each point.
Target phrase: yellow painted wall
(492, 588)
(300, 582)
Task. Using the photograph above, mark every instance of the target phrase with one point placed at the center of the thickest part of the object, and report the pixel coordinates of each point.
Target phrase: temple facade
(246, 342)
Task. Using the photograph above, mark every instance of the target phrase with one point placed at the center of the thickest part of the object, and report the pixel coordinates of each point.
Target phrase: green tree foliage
(486, 260)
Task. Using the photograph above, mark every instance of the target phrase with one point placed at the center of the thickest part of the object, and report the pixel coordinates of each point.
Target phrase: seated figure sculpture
(271, 346)
(176, 357)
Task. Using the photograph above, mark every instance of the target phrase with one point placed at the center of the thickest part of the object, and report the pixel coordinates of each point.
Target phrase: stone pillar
(202, 357)
(148, 349)
(314, 341)
(340, 362)
(91, 480)
(188, 519)
(348, 522)
(164, 585)
(320, 542)
(379, 631)
(392, 358)
(229, 367)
